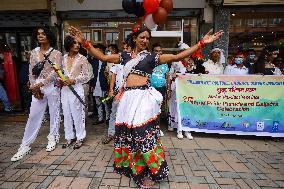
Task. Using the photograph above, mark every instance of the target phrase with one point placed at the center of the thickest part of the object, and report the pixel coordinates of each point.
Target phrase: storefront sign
(243, 105)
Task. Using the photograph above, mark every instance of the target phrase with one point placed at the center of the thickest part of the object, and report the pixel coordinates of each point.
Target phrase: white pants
(111, 127)
(173, 119)
(37, 110)
(100, 106)
(74, 113)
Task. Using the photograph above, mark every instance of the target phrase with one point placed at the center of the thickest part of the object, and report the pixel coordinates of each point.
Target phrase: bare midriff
(134, 80)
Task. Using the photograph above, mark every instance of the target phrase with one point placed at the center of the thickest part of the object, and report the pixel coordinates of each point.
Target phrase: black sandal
(78, 144)
(68, 143)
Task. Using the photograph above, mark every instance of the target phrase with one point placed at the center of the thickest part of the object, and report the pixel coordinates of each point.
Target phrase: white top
(79, 69)
(177, 67)
(117, 69)
(235, 70)
(47, 75)
(98, 90)
(213, 68)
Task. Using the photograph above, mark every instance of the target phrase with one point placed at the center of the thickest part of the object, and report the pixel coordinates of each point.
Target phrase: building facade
(17, 21)
(249, 24)
(108, 23)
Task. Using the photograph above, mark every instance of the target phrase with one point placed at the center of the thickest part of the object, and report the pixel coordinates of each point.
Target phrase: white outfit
(213, 68)
(235, 70)
(117, 69)
(177, 67)
(73, 109)
(277, 71)
(51, 97)
(99, 94)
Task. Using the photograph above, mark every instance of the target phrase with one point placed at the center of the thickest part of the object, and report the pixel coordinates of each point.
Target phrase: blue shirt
(158, 77)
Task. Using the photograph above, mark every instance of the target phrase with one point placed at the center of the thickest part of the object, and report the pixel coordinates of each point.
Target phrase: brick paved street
(208, 161)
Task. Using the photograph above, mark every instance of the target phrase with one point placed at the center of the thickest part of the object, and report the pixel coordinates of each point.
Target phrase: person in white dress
(45, 92)
(176, 67)
(76, 70)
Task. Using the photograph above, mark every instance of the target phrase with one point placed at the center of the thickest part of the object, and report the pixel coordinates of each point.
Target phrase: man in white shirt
(215, 64)
(238, 67)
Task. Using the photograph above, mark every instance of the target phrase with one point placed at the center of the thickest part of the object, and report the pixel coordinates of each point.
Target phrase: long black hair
(130, 38)
(262, 59)
(49, 35)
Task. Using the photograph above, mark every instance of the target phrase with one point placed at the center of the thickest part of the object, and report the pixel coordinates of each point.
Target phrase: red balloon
(160, 16)
(150, 6)
(167, 4)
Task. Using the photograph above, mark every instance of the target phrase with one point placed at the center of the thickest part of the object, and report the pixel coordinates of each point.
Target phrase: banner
(243, 105)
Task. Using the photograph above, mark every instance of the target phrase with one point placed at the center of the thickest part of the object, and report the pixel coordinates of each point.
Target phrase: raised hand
(210, 37)
(77, 34)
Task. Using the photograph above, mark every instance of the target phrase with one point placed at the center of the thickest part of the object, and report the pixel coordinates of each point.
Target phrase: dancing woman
(139, 153)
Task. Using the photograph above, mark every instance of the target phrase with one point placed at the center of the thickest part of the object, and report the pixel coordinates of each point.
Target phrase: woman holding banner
(139, 153)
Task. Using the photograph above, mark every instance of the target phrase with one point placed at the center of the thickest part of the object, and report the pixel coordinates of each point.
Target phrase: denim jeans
(4, 98)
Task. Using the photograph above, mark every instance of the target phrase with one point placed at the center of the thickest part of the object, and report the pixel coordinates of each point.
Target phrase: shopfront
(255, 24)
(115, 32)
(110, 24)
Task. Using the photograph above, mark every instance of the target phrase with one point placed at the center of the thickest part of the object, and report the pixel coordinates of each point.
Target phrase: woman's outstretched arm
(78, 35)
(208, 38)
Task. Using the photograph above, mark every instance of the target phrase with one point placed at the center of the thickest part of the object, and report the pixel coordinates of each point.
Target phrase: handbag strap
(46, 56)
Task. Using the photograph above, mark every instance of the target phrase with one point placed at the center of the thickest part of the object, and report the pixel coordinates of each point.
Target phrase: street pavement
(209, 161)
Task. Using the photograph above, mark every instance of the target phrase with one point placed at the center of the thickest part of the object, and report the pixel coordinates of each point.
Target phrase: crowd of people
(129, 89)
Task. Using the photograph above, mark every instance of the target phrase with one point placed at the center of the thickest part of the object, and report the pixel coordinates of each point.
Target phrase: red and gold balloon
(153, 12)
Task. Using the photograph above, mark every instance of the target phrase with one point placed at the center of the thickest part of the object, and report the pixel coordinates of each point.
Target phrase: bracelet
(87, 45)
(201, 44)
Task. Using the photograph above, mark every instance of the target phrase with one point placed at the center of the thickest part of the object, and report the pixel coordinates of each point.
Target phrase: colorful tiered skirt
(138, 150)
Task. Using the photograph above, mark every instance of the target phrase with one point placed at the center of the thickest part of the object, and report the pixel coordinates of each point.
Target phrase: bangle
(201, 44)
(87, 45)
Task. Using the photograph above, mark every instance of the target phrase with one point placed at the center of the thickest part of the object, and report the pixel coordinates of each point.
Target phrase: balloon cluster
(153, 12)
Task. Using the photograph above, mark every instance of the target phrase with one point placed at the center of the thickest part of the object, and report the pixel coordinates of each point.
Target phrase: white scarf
(133, 62)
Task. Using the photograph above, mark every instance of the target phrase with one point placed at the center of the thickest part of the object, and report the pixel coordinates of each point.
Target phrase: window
(97, 35)
(126, 33)
(250, 22)
(111, 37)
(261, 22)
(237, 22)
(87, 35)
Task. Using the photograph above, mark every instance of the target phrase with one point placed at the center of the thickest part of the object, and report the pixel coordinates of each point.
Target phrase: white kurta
(213, 68)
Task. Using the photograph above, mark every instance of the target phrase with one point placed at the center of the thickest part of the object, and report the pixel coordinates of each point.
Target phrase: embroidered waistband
(144, 87)
(139, 72)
